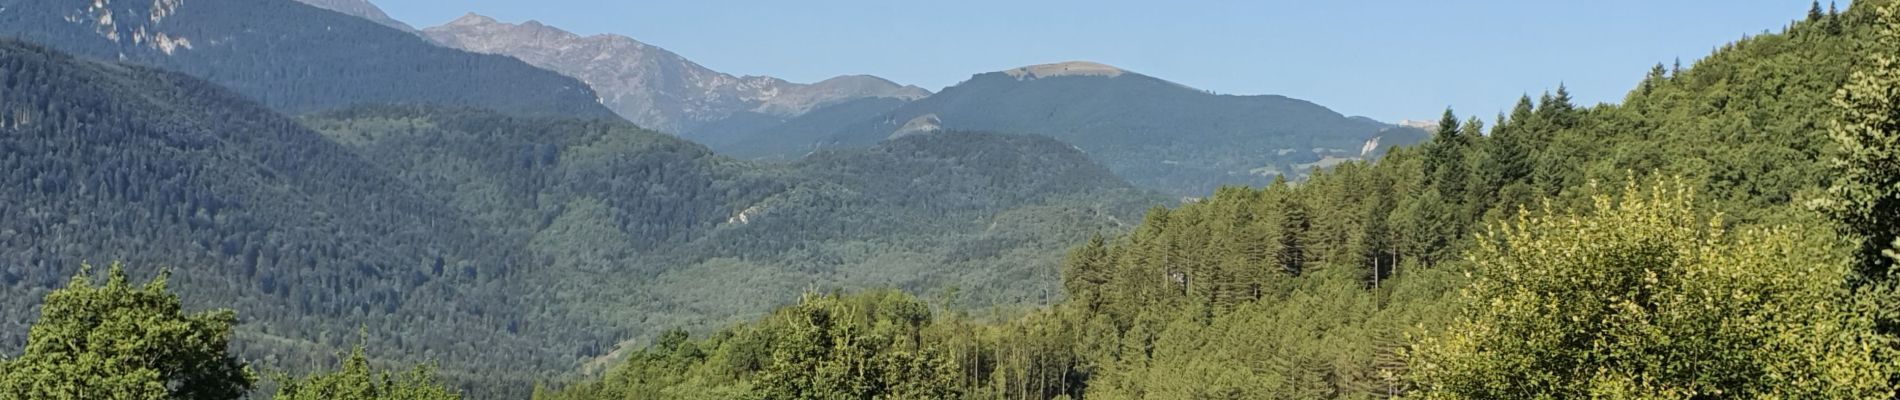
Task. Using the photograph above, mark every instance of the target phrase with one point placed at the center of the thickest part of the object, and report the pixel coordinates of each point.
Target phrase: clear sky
(1386, 59)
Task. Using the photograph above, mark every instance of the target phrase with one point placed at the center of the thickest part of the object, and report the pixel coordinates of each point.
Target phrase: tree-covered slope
(1565, 247)
(763, 137)
(110, 162)
(640, 231)
(443, 230)
(294, 57)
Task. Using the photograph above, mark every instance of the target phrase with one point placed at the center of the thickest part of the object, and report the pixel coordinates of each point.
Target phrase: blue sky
(1386, 59)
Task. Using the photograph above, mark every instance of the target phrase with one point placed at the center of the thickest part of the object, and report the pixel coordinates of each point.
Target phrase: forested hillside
(256, 213)
(294, 57)
(1726, 231)
(660, 232)
(437, 232)
(782, 139)
(1564, 252)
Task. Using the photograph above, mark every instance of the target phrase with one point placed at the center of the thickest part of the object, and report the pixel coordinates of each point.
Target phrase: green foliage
(1312, 291)
(1864, 196)
(1183, 297)
(356, 380)
(514, 247)
(280, 224)
(656, 229)
(831, 349)
(873, 345)
(793, 139)
(1642, 298)
(120, 341)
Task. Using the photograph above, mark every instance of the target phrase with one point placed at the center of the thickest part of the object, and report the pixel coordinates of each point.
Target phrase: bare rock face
(1071, 68)
(651, 86)
(363, 9)
(926, 124)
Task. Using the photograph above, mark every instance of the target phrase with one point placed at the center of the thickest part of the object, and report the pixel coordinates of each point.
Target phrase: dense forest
(443, 231)
(109, 162)
(783, 139)
(1726, 231)
(1697, 240)
(659, 232)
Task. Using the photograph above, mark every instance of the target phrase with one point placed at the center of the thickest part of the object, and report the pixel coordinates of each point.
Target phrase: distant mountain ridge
(1156, 133)
(1153, 132)
(294, 57)
(363, 9)
(653, 87)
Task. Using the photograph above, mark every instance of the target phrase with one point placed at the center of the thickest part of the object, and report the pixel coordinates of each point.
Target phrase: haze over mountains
(481, 200)
(298, 181)
(1156, 133)
(323, 168)
(656, 88)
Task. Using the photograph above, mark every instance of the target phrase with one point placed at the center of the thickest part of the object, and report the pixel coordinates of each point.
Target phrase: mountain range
(325, 169)
(1156, 133)
(303, 180)
(438, 228)
(656, 88)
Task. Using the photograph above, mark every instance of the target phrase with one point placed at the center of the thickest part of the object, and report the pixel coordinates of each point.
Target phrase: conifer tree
(1512, 147)
(1444, 158)
(1833, 24)
(1655, 78)
(1562, 102)
(1521, 113)
(1085, 271)
(1293, 226)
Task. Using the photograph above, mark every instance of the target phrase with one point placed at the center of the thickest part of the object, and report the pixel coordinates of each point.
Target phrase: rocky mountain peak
(654, 87)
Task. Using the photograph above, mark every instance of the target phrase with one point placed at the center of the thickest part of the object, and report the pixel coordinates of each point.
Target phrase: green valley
(319, 206)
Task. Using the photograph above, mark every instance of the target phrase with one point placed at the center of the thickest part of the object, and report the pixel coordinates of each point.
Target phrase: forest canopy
(1665, 247)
